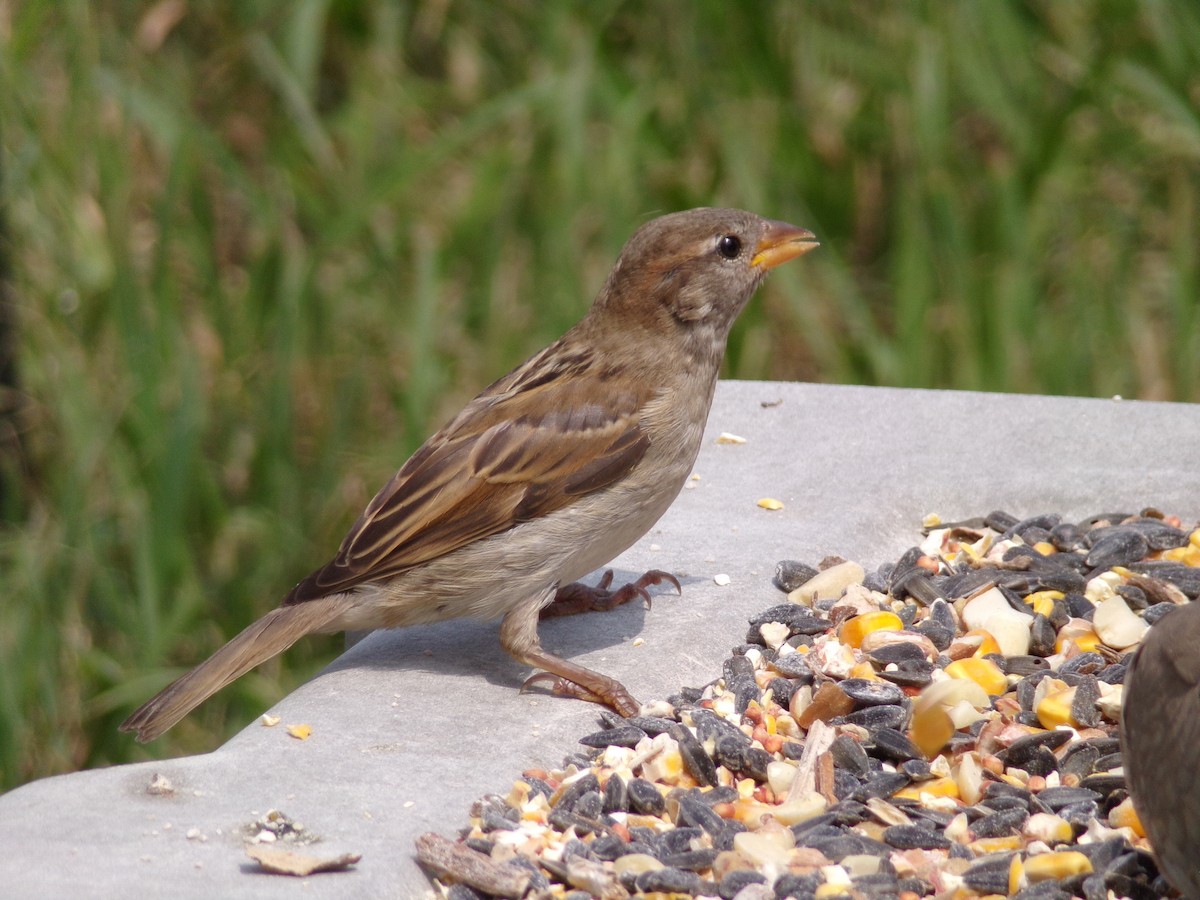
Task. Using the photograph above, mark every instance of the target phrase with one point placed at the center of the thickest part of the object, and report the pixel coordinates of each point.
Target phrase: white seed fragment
(765, 848)
(977, 610)
(855, 865)
(969, 778)
(1112, 696)
(160, 785)
(833, 658)
(839, 875)
(636, 864)
(1118, 626)
(780, 776)
(1102, 587)
(774, 633)
(828, 585)
(886, 813)
(1011, 630)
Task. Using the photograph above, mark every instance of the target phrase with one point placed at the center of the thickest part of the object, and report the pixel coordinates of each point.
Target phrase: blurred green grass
(259, 249)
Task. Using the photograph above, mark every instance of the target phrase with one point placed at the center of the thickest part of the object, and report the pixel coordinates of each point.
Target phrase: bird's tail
(269, 636)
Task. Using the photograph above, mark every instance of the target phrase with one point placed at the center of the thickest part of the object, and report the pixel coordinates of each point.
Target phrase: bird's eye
(729, 246)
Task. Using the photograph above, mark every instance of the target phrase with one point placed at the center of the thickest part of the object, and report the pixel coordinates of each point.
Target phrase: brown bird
(1160, 742)
(548, 474)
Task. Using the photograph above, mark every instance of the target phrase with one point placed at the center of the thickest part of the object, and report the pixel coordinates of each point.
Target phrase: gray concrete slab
(410, 727)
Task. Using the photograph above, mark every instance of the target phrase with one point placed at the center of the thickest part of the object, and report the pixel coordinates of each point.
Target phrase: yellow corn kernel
(864, 670)
(984, 846)
(987, 643)
(1189, 555)
(972, 551)
(1015, 871)
(938, 787)
(1043, 601)
(831, 890)
(931, 729)
(1049, 828)
(1042, 605)
(1082, 635)
(1123, 815)
(752, 813)
(855, 629)
(1055, 709)
(1053, 866)
(518, 795)
(666, 767)
(1045, 548)
(983, 672)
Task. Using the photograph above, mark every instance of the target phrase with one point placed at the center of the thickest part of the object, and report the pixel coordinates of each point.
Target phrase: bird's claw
(617, 699)
(576, 598)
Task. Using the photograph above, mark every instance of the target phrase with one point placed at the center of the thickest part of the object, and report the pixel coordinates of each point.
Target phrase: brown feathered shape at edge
(1160, 741)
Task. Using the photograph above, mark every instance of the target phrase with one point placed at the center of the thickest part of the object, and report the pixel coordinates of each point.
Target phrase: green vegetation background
(257, 250)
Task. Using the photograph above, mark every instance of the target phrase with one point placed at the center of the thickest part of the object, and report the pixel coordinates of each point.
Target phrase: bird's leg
(578, 597)
(518, 635)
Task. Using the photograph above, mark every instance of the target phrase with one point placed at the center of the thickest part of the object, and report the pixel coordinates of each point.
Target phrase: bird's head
(697, 269)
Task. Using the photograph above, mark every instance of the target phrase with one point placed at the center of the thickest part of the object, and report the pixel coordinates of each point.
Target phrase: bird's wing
(525, 447)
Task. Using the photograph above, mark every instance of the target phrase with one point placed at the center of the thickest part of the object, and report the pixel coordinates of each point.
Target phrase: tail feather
(269, 636)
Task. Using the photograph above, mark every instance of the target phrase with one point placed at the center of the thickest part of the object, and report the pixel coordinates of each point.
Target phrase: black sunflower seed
(866, 692)
(622, 736)
(791, 574)
(915, 837)
(645, 798)
(890, 743)
(695, 759)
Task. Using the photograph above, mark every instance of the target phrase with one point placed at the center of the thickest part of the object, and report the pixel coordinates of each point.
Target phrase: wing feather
(525, 447)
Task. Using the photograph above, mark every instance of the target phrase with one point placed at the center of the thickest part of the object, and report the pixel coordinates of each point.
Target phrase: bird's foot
(612, 695)
(576, 598)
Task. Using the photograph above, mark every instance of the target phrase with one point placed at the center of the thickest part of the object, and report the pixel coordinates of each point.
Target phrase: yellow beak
(781, 243)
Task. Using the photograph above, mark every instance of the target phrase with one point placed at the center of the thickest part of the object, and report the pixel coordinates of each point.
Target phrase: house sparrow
(549, 473)
(1160, 742)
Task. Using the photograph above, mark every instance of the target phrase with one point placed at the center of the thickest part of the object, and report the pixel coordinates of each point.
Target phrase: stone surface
(410, 727)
